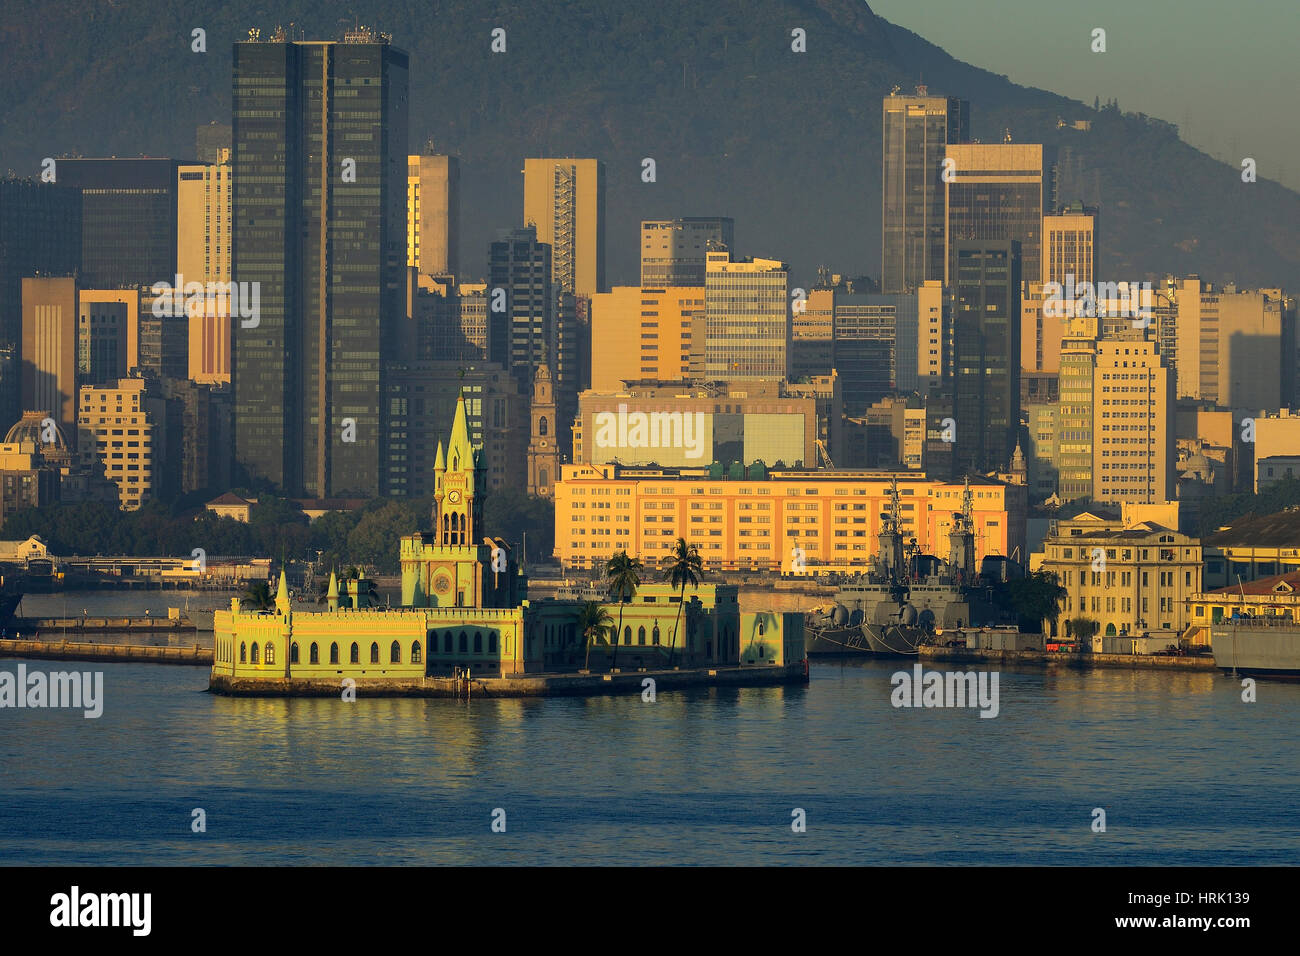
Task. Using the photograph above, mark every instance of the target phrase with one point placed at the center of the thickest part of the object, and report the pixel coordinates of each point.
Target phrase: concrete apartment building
(647, 334)
(565, 200)
(433, 214)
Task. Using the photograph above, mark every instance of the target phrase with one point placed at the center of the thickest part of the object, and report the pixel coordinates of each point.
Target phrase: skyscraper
(128, 219)
(917, 129)
(986, 354)
(673, 251)
(433, 214)
(521, 304)
(565, 200)
(996, 193)
(747, 318)
(320, 185)
(40, 234)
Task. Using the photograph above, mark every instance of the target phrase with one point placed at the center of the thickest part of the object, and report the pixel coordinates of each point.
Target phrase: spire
(460, 453)
(332, 595)
(440, 463)
(282, 593)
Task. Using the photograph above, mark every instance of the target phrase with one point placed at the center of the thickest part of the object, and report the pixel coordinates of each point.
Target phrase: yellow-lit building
(646, 335)
(1069, 246)
(1130, 579)
(1134, 448)
(118, 427)
(565, 200)
(49, 372)
(825, 521)
(203, 253)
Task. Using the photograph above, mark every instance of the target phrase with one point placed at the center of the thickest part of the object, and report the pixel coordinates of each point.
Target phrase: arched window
(252, 659)
(243, 653)
(627, 634)
(313, 655)
(374, 652)
(492, 642)
(356, 653)
(446, 643)
(395, 653)
(543, 477)
(640, 634)
(334, 653)
(478, 642)
(654, 635)
(542, 426)
(415, 652)
(464, 643)
(270, 653)
(293, 653)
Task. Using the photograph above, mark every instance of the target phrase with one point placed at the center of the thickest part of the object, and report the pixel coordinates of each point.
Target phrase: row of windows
(257, 654)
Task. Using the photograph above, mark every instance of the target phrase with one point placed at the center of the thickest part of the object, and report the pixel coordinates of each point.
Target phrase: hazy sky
(1225, 72)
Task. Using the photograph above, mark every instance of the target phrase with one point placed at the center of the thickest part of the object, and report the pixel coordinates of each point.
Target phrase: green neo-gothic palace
(464, 605)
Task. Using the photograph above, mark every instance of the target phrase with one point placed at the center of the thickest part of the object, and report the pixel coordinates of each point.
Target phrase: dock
(929, 652)
(194, 656)
(102, 625)
(523, 685)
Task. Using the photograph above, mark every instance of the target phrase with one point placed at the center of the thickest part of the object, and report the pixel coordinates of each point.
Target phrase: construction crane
(825, 455)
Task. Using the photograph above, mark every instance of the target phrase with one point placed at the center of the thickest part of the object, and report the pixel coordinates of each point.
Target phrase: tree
(1081, 628)
(594, 622)
(684, 567)
(259, 595)
(1033, 599)
(623, 575)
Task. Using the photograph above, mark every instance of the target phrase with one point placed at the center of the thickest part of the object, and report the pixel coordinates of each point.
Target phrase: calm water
(1187, 774)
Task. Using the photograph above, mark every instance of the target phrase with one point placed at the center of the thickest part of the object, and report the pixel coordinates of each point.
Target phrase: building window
(478, 642)
(334, 653)
(640, 635)
(394, 653)
(243, 653)
(464, 643)
(415, 652)
(270, 653)
(293, 653)
(355, 657)
(492, 642)
(627, 634)
(446, 643)
(374, 652)
(654, 635)
(313, 656)
(253, 656)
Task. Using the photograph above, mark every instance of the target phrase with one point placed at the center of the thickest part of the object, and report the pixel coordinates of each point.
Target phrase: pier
(194, 656)
(103, 625)
(928, 652)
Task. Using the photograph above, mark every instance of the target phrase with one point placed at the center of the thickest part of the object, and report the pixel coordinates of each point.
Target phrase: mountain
(786, 143)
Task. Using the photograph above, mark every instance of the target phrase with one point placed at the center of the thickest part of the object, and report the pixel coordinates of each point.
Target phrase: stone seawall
(534, 685)
(121, 653)
(1063, 659)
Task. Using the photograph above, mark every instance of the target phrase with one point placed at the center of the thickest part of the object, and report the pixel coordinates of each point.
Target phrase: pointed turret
(282, 594)
(460, 452)
(332, 595)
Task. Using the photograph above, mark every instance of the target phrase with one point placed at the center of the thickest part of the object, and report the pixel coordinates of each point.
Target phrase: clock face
(454, 497)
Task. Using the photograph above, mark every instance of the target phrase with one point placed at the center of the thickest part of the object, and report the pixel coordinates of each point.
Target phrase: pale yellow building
(1133, 448)
(432, 214)
(1069, 246)
(646, 335)
(826, 521)
(49, 372)
(565, 200)
(119, 428)
(1230, 344)
(932, 321)
(1129, 579)
(128, 302)
(203, 221)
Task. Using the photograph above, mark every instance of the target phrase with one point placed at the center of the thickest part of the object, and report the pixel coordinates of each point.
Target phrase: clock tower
(456, 564)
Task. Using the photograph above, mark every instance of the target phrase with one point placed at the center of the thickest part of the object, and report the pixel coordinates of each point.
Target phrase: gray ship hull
(868, 640)
(1259, 651)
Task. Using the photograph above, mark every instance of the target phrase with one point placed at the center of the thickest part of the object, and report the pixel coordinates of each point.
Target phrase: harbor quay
(1167, 662)
(465, 611)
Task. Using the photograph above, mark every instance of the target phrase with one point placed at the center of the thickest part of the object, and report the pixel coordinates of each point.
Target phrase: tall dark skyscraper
(996, 193)
(526, 329)
(128, 219)
(40, 234)
(985, 382)
(319, 202)
(917, 130)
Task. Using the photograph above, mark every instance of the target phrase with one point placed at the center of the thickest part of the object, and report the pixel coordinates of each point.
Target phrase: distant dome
(30, 428)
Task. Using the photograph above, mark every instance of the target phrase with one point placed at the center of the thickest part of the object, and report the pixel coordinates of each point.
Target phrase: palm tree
(595, 623)
(623, 574)
(259, 595)
(683, 567)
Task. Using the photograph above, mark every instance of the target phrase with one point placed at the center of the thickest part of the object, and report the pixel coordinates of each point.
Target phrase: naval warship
(906, 598)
